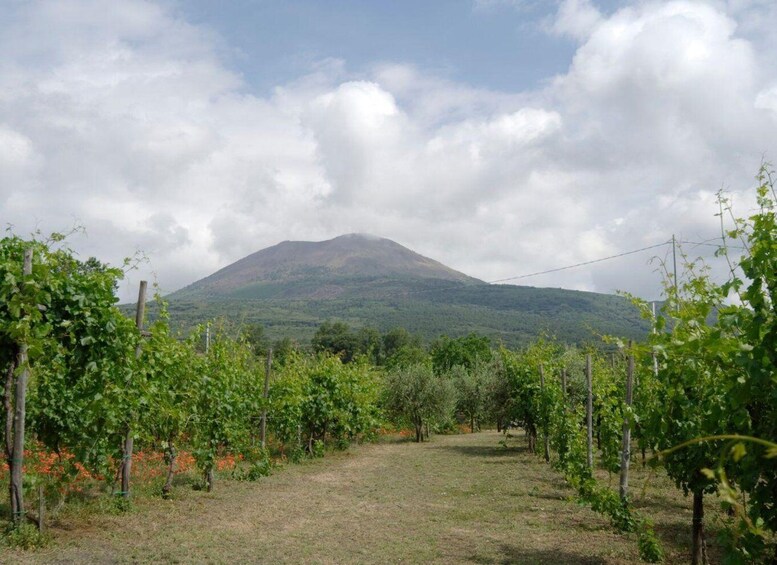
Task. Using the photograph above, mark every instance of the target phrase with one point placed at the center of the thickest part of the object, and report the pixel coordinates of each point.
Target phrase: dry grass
(457, 499)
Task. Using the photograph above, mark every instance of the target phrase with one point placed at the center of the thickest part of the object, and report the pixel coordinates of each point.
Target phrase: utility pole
(674, 280)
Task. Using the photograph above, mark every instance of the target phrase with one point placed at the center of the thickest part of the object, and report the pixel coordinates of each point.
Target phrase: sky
(501, 137)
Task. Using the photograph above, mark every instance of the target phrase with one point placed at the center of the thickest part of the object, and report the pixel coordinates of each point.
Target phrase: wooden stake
(564, 383)
(544, 424)
(172, 456)
(41, 508)
(626, 449)
(209, 478)
(129, 440)
(140, 311)
(20, 399)
(267, 369)
(589, 410)
(699, 545)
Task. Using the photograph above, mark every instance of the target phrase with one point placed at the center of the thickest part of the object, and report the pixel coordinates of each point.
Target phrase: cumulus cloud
(133, 125)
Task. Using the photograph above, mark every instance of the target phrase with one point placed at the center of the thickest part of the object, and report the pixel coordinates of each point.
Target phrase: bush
(25, 536)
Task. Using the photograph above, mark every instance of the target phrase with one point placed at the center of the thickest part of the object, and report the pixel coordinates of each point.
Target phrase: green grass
(457, 499)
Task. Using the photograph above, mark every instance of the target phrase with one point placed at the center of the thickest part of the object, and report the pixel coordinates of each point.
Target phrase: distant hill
(292, 287)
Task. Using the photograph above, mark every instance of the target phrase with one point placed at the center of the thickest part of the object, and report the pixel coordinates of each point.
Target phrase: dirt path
(457, 499)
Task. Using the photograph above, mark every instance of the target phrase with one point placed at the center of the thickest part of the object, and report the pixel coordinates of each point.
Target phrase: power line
(697, 243)
(706, 243)
(611, 257)
(527, 275)
(557, 269)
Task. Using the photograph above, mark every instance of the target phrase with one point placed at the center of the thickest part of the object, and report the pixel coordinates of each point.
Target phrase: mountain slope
(325, 269)
(292, 287)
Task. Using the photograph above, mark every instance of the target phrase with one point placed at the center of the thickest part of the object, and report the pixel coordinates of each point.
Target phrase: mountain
(324, 269)
(292, 287)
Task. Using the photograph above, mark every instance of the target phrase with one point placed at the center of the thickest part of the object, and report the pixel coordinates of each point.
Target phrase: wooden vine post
(653, 354)
(126, 463)
(41, 508)
(564, 383)
(626, 450)
(545, 438)
(589, 409)
(265, 395)
(209, 473)
(15, 447)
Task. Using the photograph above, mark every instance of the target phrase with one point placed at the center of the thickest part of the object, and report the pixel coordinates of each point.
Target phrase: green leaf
(738, 451)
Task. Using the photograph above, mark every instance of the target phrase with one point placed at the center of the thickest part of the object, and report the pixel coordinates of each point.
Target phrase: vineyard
(99, 407)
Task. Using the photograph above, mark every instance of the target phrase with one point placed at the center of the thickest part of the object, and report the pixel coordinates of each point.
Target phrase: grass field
(457, 499)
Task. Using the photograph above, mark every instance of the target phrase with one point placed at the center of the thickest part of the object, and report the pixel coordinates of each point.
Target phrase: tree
(524, 385)
(336, 338)
(170, 366)
(227, 389)
(752, 392)
(691, 401)
(255, 336)
(471, 392)
(498, 402)
(396, 339)
(466, 351)
(283, 349)
(406, 356)
(368, 342)
(81, 347)
(322, 399)
(416, 395)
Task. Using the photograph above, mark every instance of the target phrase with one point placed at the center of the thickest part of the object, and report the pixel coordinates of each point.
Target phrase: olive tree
(414, 394)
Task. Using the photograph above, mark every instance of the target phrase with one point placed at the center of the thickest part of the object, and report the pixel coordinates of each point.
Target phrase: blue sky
(500, 137)
(498, 45)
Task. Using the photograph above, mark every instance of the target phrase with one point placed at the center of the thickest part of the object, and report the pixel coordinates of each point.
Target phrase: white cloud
(576, 19)
(18, 162)
(767, 99)
(130, 123)
(493, 4)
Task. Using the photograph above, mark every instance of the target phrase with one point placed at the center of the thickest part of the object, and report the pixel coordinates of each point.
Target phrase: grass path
(456, 499)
